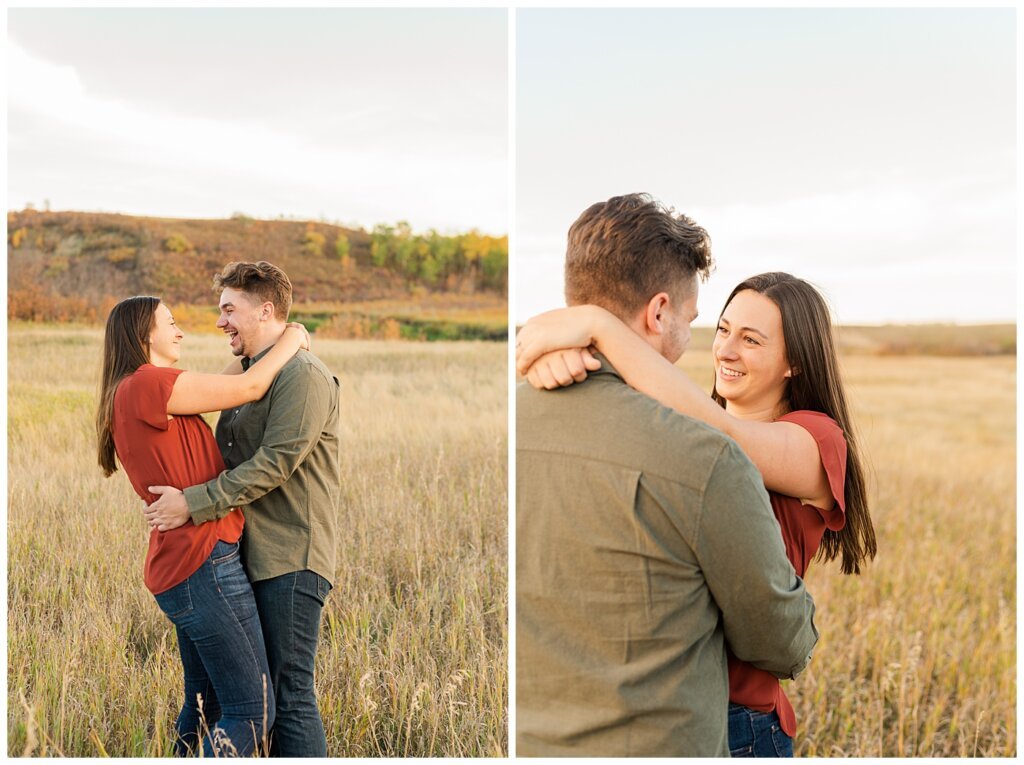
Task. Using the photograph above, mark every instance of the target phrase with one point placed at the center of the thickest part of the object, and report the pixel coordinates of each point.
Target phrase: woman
(149, 418)
(779, 394)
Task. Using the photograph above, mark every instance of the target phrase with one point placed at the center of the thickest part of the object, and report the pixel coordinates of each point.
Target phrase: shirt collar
(247, 362)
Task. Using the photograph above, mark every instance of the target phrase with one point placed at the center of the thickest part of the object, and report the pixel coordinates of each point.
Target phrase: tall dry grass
(412, 659)
(917, 655)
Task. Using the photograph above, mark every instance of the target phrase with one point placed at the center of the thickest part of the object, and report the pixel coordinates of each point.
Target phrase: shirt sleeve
(767, 613)
(149, 390)
(832, 448)
(302, 399)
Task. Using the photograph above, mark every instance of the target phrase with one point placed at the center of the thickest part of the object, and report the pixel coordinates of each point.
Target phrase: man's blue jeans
(757, 734)
(223, 656)
(289, 607)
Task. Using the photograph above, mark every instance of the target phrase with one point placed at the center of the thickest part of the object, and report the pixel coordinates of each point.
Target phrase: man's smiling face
(240, 320)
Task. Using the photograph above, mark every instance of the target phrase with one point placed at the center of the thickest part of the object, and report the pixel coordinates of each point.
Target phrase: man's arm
(302, 398)
(301, 403)
(767, 611)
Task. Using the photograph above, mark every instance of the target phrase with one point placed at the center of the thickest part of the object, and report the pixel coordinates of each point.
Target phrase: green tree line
(439, 261)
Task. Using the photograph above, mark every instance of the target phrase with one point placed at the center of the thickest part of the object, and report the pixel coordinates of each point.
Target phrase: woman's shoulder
(144, 377)
(145, 390)
(819, 424)
(832, 449)
(147, 371)
(832, 446)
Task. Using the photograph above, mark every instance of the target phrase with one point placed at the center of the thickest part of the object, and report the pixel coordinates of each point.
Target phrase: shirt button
(230, 444)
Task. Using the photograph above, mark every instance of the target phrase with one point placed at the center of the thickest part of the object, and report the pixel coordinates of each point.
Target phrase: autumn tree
(313, 242)
(342, 249)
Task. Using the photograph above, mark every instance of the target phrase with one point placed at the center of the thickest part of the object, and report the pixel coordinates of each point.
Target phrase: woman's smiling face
(164, 339)
(751, 370)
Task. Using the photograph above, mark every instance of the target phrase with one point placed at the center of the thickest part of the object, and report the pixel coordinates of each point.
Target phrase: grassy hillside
(71, 266)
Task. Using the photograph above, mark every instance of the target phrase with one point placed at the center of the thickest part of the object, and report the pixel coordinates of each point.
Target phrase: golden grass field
(916, 658)
(917, 655)
(413, 652)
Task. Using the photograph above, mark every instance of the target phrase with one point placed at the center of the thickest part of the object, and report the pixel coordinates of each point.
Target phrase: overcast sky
(361, 116)
(870, 151)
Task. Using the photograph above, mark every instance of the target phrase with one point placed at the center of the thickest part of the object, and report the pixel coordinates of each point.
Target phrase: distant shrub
(310, 322)
(33, 304)
(55, 266)
(342, 249)
(70, 246)
(390, 329)
(313, 243)
(177, 243)
(122, 255)
(346, 327)
(195, 318)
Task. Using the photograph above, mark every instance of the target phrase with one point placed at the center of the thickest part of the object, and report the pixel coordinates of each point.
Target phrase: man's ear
(267, 311)
(654, 314)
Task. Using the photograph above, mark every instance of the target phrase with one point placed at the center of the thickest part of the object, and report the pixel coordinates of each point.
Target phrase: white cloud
(260, 170)
(908, 252)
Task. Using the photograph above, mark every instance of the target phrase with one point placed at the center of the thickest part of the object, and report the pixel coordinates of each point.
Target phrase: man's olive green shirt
(283, 460)
(644, 542)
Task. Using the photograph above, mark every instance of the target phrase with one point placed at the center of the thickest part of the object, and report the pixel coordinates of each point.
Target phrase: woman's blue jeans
(229, 698)
(757, 734)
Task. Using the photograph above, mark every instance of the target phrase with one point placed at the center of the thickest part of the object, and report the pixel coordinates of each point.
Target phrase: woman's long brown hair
(816, 385)
(125, 349)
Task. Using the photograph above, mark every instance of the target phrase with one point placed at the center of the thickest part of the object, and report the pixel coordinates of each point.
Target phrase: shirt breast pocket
(250, 431)
(245, 431)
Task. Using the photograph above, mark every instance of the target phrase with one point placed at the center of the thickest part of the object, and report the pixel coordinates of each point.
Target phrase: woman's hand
(558, 369)
(556, 330)
(306, 342)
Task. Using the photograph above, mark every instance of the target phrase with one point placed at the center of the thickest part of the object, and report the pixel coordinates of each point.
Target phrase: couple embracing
(246, 606)
(662, 534)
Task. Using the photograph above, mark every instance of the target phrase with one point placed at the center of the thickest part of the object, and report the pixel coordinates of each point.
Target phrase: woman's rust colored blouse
(803, 527)
(156, 449)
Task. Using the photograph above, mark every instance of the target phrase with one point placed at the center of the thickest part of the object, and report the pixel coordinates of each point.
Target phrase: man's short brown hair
(623, 252)
(264, 280)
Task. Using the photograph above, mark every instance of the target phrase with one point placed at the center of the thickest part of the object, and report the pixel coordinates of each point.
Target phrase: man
(282, 455)
(645, 539)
